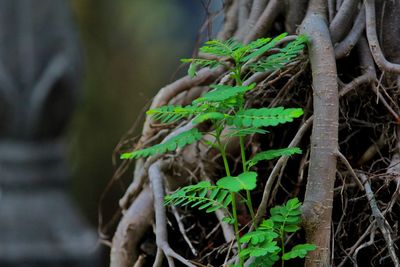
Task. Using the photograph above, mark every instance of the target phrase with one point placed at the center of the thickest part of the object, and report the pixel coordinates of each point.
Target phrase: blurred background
(131, 49)
(75, 75)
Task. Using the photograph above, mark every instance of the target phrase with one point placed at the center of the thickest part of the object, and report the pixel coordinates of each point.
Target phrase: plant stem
(249, 203)
(234, 211)
(248, 195)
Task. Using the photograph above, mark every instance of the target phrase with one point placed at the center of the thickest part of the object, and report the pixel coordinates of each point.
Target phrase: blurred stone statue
(40, 69)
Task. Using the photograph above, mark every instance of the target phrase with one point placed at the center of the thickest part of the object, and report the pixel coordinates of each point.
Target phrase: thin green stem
(234, 211)
(248, 195)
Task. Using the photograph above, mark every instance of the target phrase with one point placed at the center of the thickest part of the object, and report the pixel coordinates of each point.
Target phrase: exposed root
(132, 227)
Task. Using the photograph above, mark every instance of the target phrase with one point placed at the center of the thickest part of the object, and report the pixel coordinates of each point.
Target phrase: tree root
(131, 229)
(317, 207)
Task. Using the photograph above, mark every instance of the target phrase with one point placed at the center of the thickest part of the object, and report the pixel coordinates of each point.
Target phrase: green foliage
(223, 93)
(299, 251)
(170, 113)
(283, 57)
(217, 116)
(172, 144)
(224, 107)
(263, 242)
(286, 218)
(268, 45)
(241, 132)
(263, 117)
(202, 195)
(221, 48)
(271, 154)
(245, 181)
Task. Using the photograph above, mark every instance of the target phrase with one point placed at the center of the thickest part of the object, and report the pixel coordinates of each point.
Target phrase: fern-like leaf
(221, 48)
(298, 251)
(245, 181)
(271, 154)
(245, 131)
(266, 46)
(263, 117)
(257, 237)
(283, 57)
(170, 113)
(268, 247)
(222, 93)
(202, 195)
(172, 144)
(287, 218)
(265, 261)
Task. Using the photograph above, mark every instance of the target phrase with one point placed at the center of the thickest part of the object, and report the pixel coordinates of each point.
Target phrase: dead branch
(352, 172)
(381, 222)
(182, 230)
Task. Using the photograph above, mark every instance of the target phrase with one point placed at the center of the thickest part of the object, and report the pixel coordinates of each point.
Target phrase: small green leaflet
(245, 131)
(265, 48)
(263, 117)
(245, 181)
(265, 261)
(287, 218)
(269, 247)
(208, 116)
(221, 48)
(257, 237)
(299, 251)
(172, 144)
(202, 195)
(223, 92)
(283, 57)
(171, 113)
(271, 154)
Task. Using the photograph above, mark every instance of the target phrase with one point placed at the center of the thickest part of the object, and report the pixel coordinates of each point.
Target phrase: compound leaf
(223, 92)
(266, 46)
(172, 144)
(263, 117)
(298, 251)
(221, 48)
(245, 181)
(171, 113)
(271, 154)
(202, 195)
